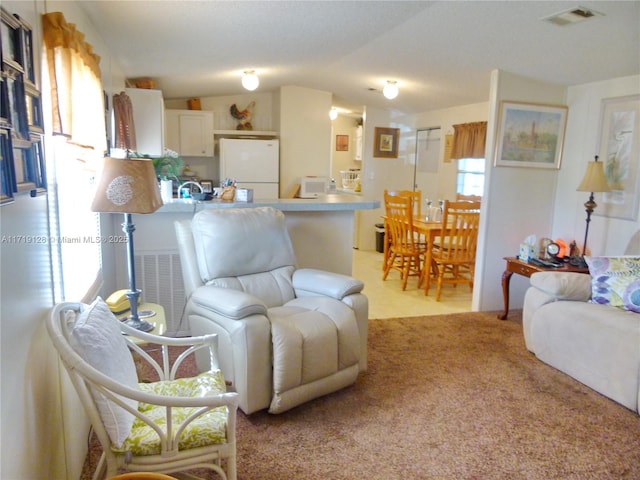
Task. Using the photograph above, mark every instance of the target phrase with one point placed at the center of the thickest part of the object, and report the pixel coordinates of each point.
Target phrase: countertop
(324, 203)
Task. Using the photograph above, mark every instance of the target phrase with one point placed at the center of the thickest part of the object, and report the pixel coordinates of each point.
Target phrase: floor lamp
(128, 186)
(594, 180)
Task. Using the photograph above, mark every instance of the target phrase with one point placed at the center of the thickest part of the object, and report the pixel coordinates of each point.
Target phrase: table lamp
(128, 186)
(594, 180)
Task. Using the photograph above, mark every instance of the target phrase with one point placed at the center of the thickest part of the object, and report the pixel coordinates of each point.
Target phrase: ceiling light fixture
(250, 80)
(333, 113)
(390, 89)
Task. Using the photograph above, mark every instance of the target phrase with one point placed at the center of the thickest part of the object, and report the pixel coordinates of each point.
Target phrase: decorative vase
(166, 190)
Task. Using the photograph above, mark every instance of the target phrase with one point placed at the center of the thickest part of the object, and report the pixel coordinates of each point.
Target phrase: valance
(469, 140)
(73, 74)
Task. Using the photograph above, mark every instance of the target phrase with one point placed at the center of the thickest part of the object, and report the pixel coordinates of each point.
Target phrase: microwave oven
(312, 187)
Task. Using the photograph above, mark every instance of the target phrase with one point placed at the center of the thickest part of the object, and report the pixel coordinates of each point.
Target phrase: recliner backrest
(245, 249)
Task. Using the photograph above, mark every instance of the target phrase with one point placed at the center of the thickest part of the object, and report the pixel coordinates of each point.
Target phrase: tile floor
(387, 300)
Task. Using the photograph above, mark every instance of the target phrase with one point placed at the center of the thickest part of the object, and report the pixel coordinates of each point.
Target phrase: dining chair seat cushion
(208, 429)
(97, 338)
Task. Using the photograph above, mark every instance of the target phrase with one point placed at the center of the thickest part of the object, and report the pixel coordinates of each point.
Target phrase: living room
(518, 203)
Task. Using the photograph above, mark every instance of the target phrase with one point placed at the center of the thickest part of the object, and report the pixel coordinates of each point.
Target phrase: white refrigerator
(253, 164)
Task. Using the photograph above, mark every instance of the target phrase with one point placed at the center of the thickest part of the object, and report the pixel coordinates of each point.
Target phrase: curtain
(76, 88)
(75, 132)
(123, 118)
(469, 140)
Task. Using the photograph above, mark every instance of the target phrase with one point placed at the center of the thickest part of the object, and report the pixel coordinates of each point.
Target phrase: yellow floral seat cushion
(207, 429)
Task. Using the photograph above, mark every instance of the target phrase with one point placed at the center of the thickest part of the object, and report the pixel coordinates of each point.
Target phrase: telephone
(118, 302)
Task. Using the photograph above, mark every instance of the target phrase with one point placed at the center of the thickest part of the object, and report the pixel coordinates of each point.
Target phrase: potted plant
(168, 167)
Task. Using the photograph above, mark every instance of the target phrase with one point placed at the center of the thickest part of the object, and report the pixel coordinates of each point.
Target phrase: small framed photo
(386, 142)
(342, 143)
(530, 135)
(207, 186)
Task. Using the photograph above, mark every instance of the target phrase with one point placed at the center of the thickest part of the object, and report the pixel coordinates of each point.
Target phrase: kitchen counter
(321, 231)
(325, 203)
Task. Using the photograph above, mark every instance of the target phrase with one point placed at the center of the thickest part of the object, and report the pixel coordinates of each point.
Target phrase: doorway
(427, 161)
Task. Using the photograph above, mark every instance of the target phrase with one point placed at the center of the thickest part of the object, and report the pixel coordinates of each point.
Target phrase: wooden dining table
(430, 230)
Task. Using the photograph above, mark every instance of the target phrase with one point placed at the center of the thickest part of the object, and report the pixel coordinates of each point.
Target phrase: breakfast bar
(321, 229)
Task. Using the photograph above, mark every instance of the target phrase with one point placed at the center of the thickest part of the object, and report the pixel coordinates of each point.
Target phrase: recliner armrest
(228, 302)
(563, 285)
(309, 281)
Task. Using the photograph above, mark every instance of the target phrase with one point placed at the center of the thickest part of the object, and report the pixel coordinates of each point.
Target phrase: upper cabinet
(189, 132)
(148, 118)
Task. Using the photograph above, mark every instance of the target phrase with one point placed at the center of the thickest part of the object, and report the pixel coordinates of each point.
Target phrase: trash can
(380, 237)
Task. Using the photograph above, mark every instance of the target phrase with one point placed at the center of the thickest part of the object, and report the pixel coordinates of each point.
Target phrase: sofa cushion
(615, 281)
(563, 285)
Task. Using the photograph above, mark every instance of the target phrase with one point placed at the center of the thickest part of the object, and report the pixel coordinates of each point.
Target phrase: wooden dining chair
(468, 198)
(454, 260)
(405, 252)
(416, 200)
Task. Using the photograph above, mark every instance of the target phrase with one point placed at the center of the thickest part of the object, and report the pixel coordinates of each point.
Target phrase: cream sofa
(598, 345)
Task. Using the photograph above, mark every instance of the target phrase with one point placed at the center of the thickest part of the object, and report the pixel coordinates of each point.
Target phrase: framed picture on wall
(342, 143)
(619, 150)
(386, 142)
(530, 135)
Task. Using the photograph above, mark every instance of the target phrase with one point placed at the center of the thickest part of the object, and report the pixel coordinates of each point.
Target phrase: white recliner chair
(286, 335)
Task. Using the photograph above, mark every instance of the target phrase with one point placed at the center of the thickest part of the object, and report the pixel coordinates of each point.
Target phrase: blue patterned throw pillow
(615, 281)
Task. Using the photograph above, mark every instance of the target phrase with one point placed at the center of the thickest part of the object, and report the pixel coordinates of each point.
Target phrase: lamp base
(138, 324)
(578, 261)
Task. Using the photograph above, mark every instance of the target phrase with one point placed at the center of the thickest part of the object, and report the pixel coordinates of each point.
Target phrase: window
(76, 141)
(470, 180)
(77, 247)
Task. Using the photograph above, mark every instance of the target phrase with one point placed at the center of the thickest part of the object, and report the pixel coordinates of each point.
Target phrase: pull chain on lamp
(128, 186)
(594, 180)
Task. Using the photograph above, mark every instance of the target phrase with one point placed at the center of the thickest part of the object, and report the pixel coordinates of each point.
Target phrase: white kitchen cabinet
(148, 118)
(189, 132)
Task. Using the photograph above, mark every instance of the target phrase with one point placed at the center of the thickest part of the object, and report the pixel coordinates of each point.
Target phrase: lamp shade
(127, 186)
(594, 179)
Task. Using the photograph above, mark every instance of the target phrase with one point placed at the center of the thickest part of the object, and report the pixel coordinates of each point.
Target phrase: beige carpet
(447, 397)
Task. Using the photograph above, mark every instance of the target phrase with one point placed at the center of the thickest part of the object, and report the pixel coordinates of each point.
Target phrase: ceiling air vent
(574, 15)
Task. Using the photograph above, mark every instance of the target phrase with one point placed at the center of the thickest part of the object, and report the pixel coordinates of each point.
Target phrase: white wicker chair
(176, 430)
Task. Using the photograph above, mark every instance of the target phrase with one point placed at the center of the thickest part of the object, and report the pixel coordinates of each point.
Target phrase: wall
(222, 120)
(517, 202)
(443, 183)
(553, 208)
(607, 236)
(35, 442)
(386, 173)
(305, 134)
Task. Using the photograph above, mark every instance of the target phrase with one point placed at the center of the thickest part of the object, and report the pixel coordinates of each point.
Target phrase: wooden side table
(515, 265)
(158, 319)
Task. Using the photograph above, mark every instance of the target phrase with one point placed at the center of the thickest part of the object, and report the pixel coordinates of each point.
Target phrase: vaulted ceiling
(440, 52)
